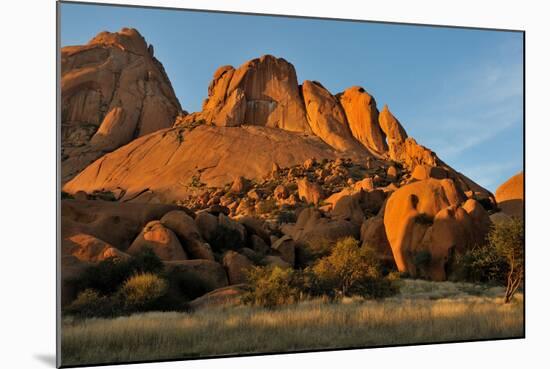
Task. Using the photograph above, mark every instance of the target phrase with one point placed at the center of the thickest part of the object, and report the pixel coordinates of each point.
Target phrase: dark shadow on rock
(512, 207)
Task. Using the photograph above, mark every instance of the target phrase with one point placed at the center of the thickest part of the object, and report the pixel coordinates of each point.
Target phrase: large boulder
(509, 196)
(373, 235)
(112, 90)
(349, 208)
(185, 228)
(327, 118)
(312, 227)
(161, 240)
(88, 248)
(206, 224)
(411, 211)
(362, 116)
(286, 248)
(194, 278)
(116, 223)
(237, 266)
(225, 296)
(263, 92)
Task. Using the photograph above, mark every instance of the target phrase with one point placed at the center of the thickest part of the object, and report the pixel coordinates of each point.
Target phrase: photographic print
(245, 184)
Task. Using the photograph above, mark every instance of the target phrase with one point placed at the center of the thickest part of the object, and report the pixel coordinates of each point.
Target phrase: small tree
(507, 238)
(350, 269)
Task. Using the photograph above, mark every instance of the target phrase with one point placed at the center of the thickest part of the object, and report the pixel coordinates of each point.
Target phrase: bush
(272, 286)
(90, 303)
(309, 252)
(107, 276)
(350, 270)
(141, 291)
(481, 264)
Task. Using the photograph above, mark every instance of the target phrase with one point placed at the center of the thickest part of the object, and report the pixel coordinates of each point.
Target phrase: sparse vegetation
(422, 312)
(272, 286)
(108, 275)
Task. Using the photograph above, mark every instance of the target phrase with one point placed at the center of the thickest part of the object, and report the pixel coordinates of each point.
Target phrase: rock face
(112, 90)
(327, 118)
(263, 91)
(509, 196)
(362, 117)
(165, 164)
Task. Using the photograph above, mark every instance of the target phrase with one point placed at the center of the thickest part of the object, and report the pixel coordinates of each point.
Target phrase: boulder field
(269, 172)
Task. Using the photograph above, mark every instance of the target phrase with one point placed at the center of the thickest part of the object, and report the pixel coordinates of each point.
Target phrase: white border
(27, 326)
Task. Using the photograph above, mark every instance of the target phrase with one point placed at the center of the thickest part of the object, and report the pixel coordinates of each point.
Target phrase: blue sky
(457, 91)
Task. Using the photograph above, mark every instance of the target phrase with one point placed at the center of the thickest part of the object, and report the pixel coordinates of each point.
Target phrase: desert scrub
(142, 291)
(351, 270)
(272, 286)
(307, 325)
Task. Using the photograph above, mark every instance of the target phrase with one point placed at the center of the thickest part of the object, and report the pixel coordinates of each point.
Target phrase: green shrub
(351, 270)
(90, 303)
(107, 276)
(141, 291)
(481, 264)
(272, 286)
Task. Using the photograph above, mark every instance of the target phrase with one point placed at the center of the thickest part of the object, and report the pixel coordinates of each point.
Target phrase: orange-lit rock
(327, 119)
(161, 240)
(509, 196)
(362, 116)
(409, 214)
(112, 90)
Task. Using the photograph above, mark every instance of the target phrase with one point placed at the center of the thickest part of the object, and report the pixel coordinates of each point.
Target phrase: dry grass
(423, 312)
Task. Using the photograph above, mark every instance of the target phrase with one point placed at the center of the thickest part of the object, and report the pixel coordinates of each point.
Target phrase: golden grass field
(422, 312)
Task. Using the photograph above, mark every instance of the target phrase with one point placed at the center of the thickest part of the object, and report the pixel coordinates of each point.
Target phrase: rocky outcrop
(196, 277)
(185, 228)
(88, 248)
(161, 240)
(327, 118)
(112, 90)
(169, 164)
(114, 223)
(509, 196)
(263, 91)
(237, 267)
(426, 224)
(362, 116)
